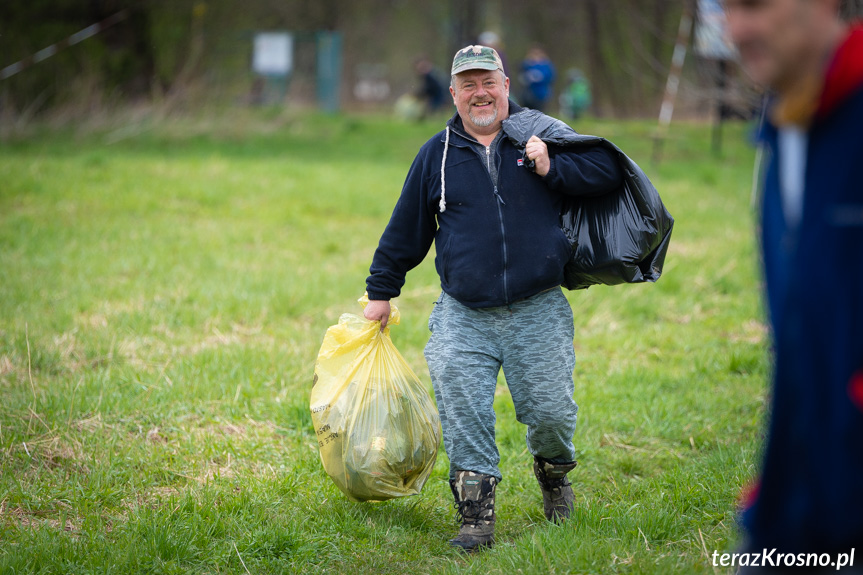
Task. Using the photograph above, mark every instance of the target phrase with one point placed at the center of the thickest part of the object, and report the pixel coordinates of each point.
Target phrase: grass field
(164, 289)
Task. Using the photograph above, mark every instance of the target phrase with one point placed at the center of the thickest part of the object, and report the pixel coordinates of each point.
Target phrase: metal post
(683, 33)
(329, 66)
(722, 109)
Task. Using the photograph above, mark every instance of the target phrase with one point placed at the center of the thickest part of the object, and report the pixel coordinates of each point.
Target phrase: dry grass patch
(59, 518)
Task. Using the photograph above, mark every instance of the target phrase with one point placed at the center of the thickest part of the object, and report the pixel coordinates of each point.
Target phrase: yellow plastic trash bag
(377, 428)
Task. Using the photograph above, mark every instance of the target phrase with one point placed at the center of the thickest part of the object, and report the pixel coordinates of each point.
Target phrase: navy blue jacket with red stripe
(810, 496)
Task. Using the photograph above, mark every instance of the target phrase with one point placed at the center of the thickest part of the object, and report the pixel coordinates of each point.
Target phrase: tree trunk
(598, 71)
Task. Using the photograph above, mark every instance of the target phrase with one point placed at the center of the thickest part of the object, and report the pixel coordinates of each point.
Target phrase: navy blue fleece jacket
(495, 244)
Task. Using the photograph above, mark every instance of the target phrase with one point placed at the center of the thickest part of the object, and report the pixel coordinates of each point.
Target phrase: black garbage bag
(618, 237)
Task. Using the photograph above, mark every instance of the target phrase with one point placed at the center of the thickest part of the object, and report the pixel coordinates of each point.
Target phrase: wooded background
(189, 53)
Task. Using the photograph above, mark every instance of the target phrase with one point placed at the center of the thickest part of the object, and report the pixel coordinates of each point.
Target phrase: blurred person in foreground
(500, 254)
(810, 495)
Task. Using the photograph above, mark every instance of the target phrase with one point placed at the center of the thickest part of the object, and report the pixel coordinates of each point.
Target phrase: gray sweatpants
(532, 341)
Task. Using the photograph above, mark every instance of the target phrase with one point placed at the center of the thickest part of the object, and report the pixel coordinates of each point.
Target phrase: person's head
(489, 38)
(536, 53)
(780, 41)
(423, 65)
(479, 88)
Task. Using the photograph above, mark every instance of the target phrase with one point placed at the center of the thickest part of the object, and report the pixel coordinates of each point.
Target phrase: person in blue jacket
(500, 254)
(537, 76)
(808, 503)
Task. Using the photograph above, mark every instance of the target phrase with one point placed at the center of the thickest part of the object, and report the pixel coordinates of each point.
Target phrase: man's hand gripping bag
(377, 428)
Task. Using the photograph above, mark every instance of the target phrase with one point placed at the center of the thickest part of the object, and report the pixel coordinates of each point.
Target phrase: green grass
(164, 289)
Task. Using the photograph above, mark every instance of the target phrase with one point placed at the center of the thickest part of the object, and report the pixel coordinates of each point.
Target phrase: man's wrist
(549, 174)
(377, 297)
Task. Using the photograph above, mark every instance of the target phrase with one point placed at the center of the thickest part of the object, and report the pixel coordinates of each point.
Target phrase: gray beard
(483, 122)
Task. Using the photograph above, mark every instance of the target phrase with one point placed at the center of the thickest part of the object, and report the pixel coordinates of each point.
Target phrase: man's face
(481, 98)
(774, 37)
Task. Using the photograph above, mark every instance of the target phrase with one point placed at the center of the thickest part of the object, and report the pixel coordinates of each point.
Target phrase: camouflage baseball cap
(476, 58)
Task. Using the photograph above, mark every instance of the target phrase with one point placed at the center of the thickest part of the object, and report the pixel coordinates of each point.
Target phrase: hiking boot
(557, 496)
(474, 503)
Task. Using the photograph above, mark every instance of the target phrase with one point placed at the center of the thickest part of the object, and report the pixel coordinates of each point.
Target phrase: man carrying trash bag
(500, 257)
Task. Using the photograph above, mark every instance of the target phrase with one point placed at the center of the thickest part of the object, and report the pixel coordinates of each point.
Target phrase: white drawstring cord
(443, 174)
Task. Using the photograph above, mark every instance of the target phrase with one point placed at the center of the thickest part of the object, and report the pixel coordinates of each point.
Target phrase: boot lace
(467, 511)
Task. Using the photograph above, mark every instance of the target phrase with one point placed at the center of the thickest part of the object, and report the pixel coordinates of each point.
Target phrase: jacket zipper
(500, 203)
